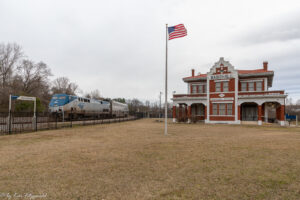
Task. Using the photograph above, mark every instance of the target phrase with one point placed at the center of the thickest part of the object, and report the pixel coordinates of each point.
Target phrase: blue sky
(118, 47)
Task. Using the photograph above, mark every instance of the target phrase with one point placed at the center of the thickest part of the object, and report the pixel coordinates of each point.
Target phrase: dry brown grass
(134, 160)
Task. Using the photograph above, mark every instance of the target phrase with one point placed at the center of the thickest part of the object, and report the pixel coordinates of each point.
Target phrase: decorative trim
(222, 102)
(222, 92)
(222, 115)
(251, 80)
(217, 64)
(227, 80)
(222, 99)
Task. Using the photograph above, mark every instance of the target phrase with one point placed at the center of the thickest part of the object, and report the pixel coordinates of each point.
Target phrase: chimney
(265, 65)
(193, 72)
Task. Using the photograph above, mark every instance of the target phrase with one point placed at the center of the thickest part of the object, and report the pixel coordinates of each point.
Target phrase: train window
(54, 98)
(62, 97)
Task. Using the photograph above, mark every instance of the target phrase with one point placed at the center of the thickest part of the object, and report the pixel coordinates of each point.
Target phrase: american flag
(177, 31)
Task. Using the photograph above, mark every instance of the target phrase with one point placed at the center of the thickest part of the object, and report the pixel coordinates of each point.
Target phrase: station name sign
(220, 76)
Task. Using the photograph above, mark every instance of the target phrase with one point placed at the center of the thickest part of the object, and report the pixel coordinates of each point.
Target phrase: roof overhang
(269, 75)
(192, 79)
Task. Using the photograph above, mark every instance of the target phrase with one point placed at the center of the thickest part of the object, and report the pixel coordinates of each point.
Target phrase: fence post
(36, 123)
(9, 122)
(71, 116)
(56, 120)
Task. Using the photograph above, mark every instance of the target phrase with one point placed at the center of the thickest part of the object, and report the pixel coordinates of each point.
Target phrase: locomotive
(76, 107)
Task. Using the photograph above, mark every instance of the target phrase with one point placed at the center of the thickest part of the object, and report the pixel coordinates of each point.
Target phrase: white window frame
(251, 89)
(222, 109)
(218, 89)
(258, 82)
(215, 108)
(229, 111)
(244, 89)
(227, 83)
(194, 89)
(200, 88)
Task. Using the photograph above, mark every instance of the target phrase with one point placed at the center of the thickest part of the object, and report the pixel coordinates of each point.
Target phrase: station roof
(242, 74)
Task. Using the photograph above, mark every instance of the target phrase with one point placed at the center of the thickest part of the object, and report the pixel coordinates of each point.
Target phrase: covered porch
(267, 111)
(189, 112)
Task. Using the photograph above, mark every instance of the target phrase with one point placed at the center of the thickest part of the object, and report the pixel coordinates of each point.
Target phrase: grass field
(134, 160)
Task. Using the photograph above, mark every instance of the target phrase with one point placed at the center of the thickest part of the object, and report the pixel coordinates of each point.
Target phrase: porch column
(266, 112)
(259, 115)
(239, 112)
(189, 113)
(281, 115)
(174, 114)
(263, 112)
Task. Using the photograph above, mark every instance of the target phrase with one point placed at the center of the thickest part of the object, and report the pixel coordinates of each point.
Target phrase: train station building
(232, 96)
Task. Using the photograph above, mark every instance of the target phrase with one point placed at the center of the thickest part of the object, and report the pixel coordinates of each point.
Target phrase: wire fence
(17, 122)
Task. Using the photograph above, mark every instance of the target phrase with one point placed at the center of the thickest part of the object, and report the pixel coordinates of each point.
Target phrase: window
(218, 87)
(194, 89)
(259, 86)
(251, 86)
(204, 88)
(215, 109)
(200, 88)
(225, 86)
(222, 108)
(244, 86)
(229, 109)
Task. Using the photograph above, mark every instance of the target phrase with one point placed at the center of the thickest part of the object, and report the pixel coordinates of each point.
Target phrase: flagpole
(166, 84)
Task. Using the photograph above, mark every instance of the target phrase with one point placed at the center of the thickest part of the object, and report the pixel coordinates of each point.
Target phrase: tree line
(20, 75)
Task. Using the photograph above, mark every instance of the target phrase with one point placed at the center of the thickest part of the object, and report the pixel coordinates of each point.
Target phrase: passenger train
(79, 107)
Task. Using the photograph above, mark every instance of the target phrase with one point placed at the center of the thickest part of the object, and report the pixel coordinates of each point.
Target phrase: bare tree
(34, 77)
(9, 57)
(135, 105)
(63, 85)
(95, 94)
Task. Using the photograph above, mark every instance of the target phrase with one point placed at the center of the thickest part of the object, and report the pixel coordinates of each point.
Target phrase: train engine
(75, 107)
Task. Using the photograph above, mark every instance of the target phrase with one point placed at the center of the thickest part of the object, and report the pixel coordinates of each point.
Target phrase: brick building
(228, 95)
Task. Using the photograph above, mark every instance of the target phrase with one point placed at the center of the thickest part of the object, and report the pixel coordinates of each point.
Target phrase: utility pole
(160, 93)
